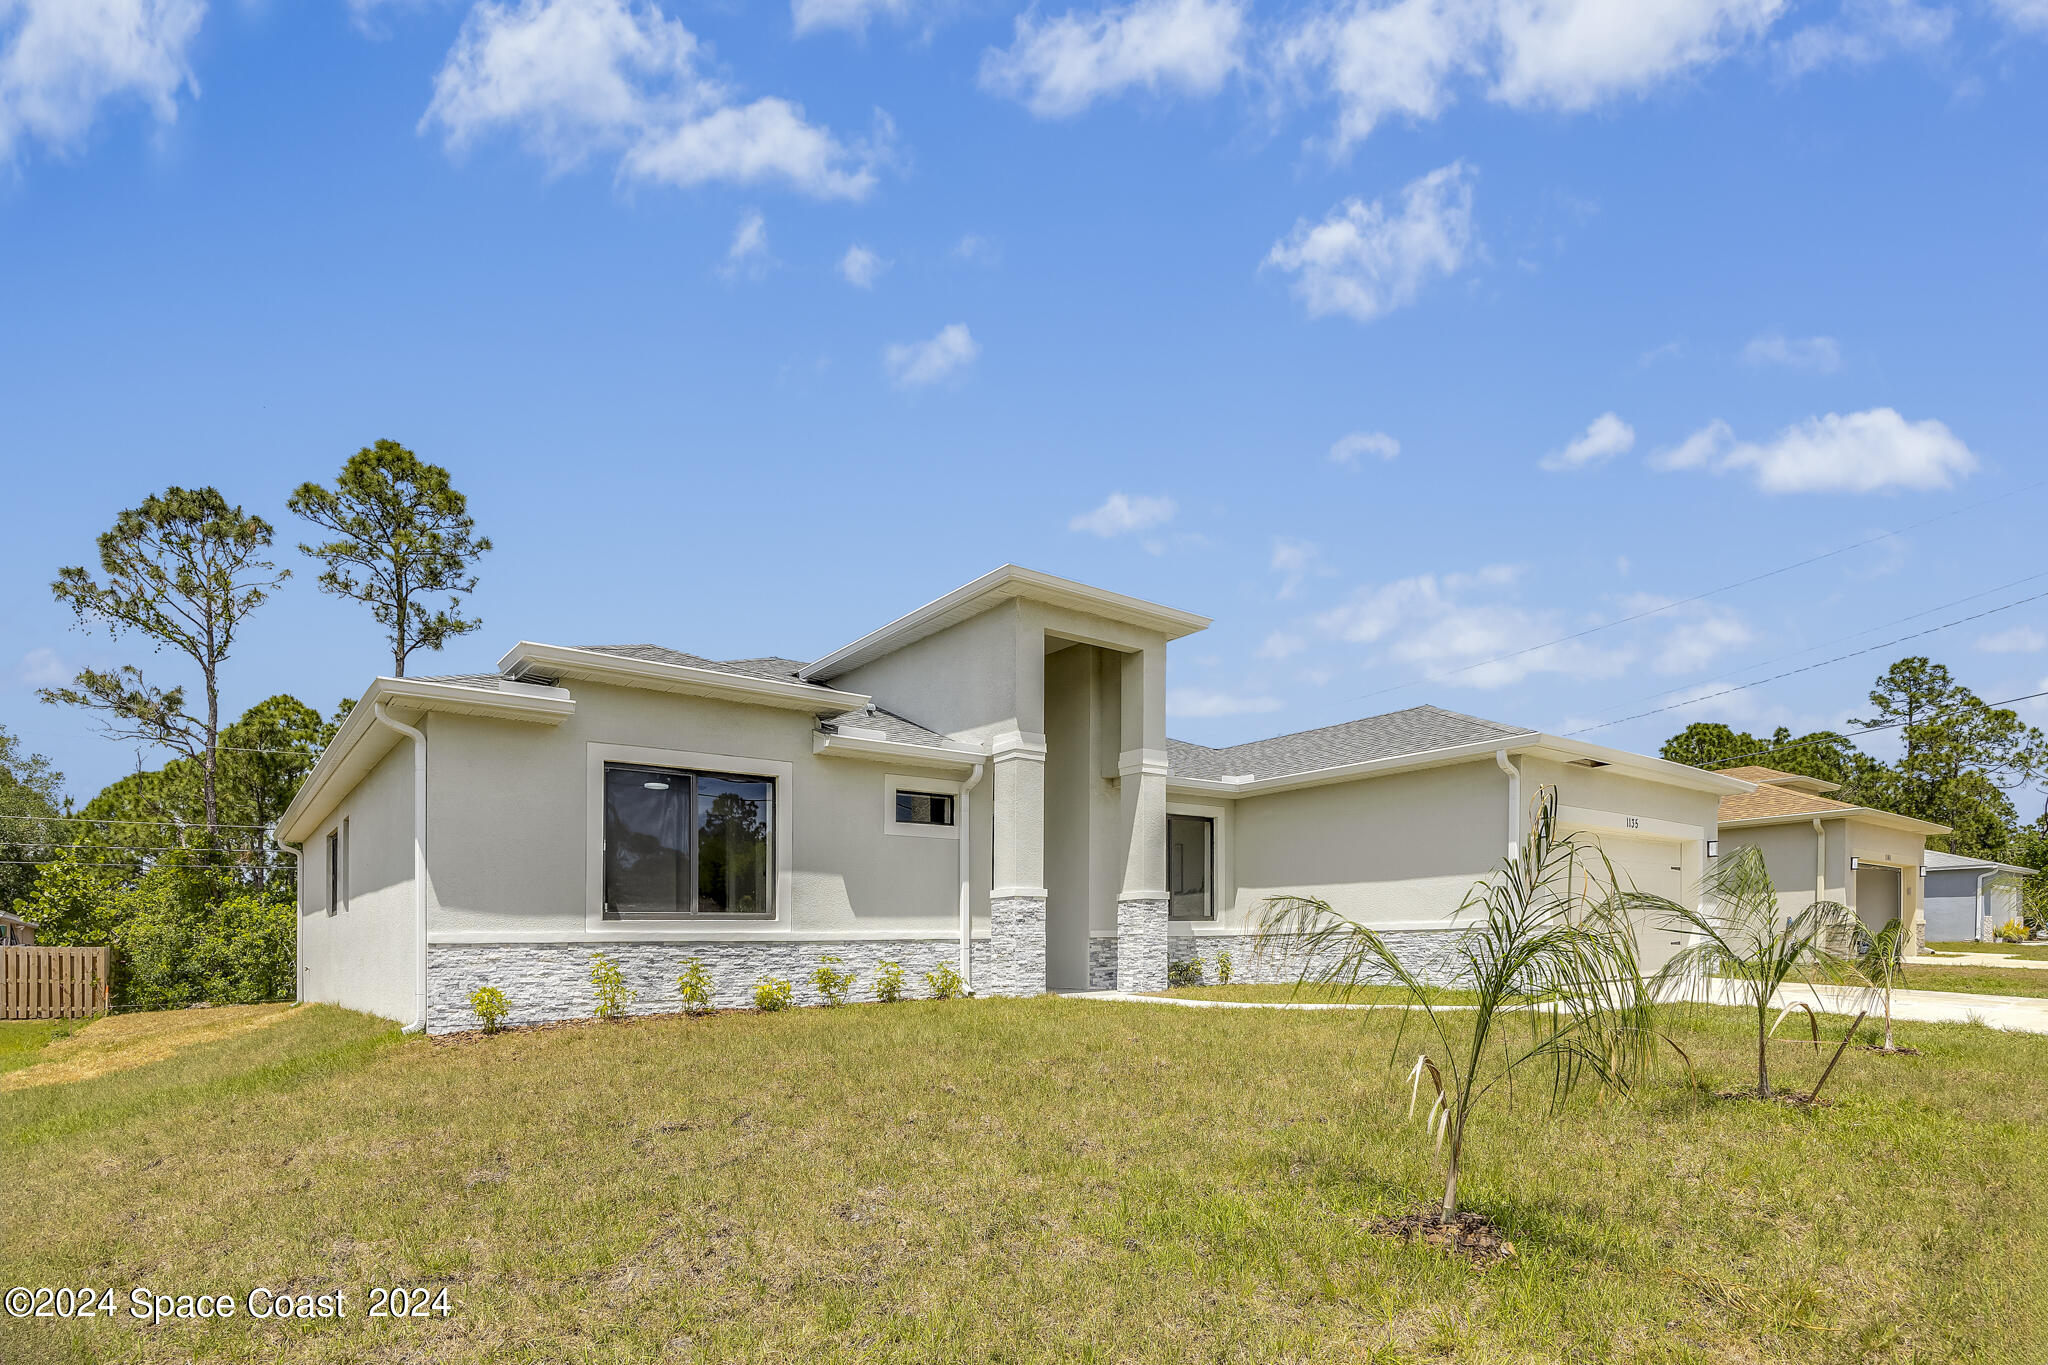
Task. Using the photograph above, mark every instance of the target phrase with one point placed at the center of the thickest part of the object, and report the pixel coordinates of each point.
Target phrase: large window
(1190, 866)
(686, 843)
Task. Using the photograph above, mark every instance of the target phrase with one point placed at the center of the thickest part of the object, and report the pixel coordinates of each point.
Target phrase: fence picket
(52, 982)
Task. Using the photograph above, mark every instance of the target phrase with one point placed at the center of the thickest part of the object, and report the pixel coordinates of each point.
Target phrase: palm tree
(1564, 962)
(1744, 939)
(1881, 958)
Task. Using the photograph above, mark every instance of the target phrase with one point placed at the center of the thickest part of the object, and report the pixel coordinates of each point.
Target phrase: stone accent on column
(1016, 959)
(1141, 945)
(1102, 962)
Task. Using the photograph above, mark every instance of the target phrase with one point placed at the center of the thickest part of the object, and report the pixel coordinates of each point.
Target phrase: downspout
(1500, 756)
(966, 878)
(1820, 862)
(419, 860)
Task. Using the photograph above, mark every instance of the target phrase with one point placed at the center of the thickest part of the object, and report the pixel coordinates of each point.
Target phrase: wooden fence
(52, 983)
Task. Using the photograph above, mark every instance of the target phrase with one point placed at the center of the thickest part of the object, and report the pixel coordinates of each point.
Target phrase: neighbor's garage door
(1650, 865)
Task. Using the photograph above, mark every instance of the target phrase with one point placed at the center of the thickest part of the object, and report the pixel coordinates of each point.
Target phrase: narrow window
(333, 870)
(345, 859)
(679, 843)
(924, 808)
(1190, 861)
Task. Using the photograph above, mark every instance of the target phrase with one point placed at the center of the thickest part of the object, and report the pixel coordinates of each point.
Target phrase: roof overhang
(589, 665)
(1869, 816)
(877, 749)
(1006, 584)
(361, 742)
(1528, 743)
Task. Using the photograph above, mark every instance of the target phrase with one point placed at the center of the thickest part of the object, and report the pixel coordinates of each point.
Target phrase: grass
(1019, 1181)
(2032, 952)
(22, 1041)
(1313, 994)
(1976, 980)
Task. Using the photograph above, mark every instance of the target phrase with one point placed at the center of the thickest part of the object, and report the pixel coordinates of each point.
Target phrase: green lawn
(22, 1041)
(2033, 952)
(1976, 980)
(1033, 1180)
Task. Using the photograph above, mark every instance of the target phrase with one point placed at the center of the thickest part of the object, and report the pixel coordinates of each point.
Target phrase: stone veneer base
(1141, 945)
(1016, 941)
(1426, 952)
(545, 982)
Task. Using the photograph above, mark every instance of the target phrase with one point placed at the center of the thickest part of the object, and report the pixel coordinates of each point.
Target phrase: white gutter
(1500, 756)
(419, 860)
(966, 817)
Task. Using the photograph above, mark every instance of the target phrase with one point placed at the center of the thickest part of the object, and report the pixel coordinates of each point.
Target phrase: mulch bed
(1470, 1235)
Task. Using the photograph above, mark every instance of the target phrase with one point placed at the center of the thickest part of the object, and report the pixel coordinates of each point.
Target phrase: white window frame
(331, 868)
(1221, 912)
(936, 786)
(783, 841)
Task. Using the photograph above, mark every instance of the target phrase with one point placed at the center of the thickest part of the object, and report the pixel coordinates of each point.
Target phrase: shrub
(488, 1002)
(772, 993)
(613, 995)
(833, 984)
(694, 985)
(1223, 968)
(943, 982)
(2012, 931)
(889, 982)
(1186, 972)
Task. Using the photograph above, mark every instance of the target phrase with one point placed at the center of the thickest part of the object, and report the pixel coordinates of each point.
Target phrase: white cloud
(2031, 14)
(1363, 262)
(915, 364)
(1296, 559)
(861, 267)
(62, 61)
(1120, 514)
(1809, 353)
(2014, 640)
(1867, 31)
(1348, 448)
(1877, 451)
(1691, 645)
(576, 78)
(1378, 60)
(42, 668)
(974, 249)
(1670, 350)
(1572, 54)
(748, 254)
(1060, 66)
(1605, 437)
(1196, 703)
(1280, 645)
(809, 16)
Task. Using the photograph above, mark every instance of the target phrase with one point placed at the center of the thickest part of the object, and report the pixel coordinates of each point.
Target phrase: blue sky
(1396, 337)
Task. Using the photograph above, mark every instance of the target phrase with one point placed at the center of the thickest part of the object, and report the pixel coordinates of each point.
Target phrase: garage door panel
(1652, 866)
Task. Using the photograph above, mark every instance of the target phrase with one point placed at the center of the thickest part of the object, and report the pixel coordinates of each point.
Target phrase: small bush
(1224, 970)
(889, 982)
(609, 984)
(2012, 931)
(944, 983)
(488, 1002)
(772, 993)
(833, 984)
(1186, 972)
(694, 985)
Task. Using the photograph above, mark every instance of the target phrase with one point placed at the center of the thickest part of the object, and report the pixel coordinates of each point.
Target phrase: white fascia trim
(1875, 817)
(677, 935)
(992, 589)
(1661, 769)
(319, 795)
(595, 666)
(843, 745)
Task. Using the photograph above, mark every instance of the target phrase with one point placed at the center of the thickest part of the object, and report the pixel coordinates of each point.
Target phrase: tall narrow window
(333, 870)
(679, 843)
(345, 863)
(1190, 864)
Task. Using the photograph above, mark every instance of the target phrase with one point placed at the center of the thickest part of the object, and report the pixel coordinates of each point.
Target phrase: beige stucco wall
(962, 681)
(509, 811)
(1789, 855)
(363, 956)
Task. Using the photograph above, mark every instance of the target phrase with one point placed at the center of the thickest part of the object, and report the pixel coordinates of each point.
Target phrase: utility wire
(96, 820)
(1866, 730)
(1702, 596)
(1808, 668)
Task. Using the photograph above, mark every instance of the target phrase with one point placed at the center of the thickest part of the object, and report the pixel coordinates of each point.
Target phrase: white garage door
(1650, 865)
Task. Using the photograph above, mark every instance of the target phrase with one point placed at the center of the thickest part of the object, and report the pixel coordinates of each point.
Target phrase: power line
(151, 848)
(1808, 668)
(96, 820)
(1866, 730)
(1702, 596)
(70, 862)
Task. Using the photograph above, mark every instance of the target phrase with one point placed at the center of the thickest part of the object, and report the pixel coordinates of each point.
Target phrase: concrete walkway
(1984, 959)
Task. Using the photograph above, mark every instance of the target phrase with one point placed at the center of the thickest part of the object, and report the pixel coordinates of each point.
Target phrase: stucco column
(1016, 902)
(1141, 904)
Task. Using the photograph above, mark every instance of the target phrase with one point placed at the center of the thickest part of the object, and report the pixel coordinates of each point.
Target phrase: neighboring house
(15, 932)
(985, 783)
(1969, 898)
(1818, 848)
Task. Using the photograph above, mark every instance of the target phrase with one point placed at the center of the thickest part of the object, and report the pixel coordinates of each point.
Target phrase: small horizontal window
(924, 808)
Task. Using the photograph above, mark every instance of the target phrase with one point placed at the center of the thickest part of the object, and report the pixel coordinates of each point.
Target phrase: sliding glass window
(679, 844)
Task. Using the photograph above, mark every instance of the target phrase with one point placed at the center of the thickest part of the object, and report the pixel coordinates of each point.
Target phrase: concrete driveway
(2013, 1013)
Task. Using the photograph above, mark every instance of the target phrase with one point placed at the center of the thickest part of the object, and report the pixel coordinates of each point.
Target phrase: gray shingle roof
(1937, 861)
(1416, 730)
(772, 667)
(889, 723)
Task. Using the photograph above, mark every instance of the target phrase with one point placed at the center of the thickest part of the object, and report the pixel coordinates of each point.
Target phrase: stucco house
(1820, 849)
(985, 782)
(1969, 898)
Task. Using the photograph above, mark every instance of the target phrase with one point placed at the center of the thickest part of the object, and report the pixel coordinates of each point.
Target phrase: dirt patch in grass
(122, 1041)
(1472, 1236)
(1897, 1050)
(1791, 1099)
